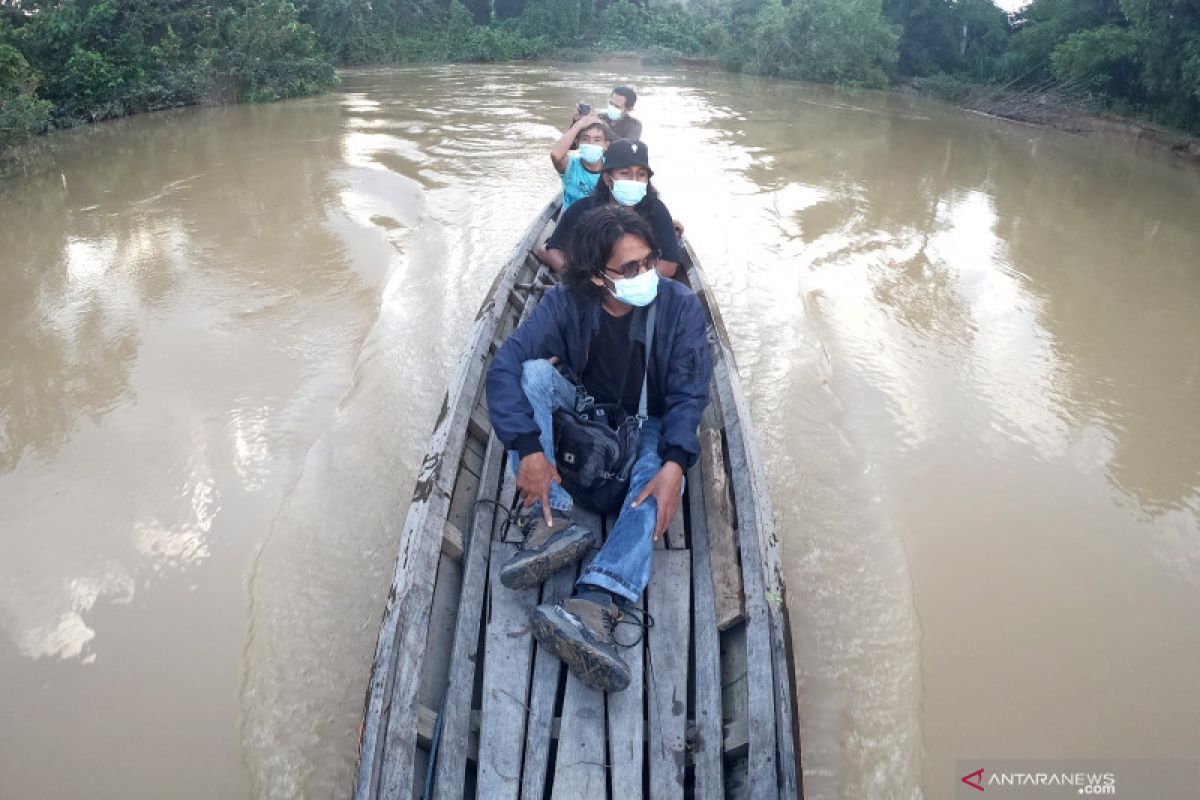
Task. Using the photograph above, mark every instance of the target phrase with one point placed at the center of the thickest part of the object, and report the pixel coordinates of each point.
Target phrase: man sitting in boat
(594, 326)
(624, 182)
(620, 118)
(580, 171)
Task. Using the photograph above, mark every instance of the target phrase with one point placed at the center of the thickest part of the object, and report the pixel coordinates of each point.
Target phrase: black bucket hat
(627, 153)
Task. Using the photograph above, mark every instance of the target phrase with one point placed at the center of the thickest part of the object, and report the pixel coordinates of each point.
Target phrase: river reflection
(970, 347)
(161, 388)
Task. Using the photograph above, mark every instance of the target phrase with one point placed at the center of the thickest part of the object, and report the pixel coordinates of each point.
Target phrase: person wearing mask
(634, 341)
(581, 170)
(620, 104)
(624, 182)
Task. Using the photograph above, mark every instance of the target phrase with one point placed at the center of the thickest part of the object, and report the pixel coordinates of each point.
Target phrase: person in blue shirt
(581, 170)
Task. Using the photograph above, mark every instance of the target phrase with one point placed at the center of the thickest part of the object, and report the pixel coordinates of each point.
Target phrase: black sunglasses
(631, 269)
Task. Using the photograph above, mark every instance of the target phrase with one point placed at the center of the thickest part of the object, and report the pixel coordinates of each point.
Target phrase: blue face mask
(591, 153)
(612, 112)
(639, 291)
(629, 193)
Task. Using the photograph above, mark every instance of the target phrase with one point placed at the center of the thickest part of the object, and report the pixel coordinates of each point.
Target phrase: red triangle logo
(974, 779)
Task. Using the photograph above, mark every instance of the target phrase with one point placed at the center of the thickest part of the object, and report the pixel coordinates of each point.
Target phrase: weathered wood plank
(768, 636)
(507, 661)
(668, 597)
(734, 700)
(472, 457)
(579, 767)
(626, 719)
(456, 709)
(675, 536)
(478, 424)
(706, 746)
(452, 541)
(726, 572)
(427, 723)
(465, 490)
(439, 644)
(760, 667)
(546, 671)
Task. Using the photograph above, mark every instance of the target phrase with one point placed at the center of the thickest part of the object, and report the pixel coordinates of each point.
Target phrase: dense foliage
(1130, 56)
(834, 41)
(87, 60)
(67, 61)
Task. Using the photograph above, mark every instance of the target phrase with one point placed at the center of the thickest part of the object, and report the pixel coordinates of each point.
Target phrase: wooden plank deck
(707, 740)
(459, 684)
(627, 721)
(580, 769)
(545, 736)
(506, 670)
(669, 599)
(547, 674)
(456, 720)
(552, 737)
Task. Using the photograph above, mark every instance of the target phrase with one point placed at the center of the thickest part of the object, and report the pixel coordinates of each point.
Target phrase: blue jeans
(623, 564)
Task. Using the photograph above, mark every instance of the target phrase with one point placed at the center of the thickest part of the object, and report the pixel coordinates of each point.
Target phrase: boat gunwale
(434, 470)
(787, 732)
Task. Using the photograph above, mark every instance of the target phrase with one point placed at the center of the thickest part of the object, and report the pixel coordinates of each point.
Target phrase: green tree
(266, 53)
(947, 35)
(21, 113)
(1168, 34)
(833, 41)
(1045, 24)
(1103, 59)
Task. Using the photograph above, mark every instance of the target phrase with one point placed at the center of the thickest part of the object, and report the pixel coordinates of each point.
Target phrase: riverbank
(1041, 109)
(1048, 109)
(1135, 133)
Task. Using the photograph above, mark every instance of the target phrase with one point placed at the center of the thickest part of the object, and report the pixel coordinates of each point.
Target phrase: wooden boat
(462, 701)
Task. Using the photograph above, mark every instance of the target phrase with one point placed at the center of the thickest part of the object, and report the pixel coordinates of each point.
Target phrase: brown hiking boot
(546, 550)
(580, 632)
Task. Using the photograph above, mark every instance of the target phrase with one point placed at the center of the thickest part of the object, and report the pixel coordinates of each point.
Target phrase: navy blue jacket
(563, 325)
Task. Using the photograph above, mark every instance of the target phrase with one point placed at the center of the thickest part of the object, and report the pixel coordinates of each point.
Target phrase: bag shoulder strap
(643, 405)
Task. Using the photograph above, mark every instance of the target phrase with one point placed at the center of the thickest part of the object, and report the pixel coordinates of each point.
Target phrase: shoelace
(524, 523)
(638, 617)
(506, 516)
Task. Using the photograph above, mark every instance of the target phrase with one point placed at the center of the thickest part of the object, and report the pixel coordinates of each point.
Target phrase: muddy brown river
(971, 349)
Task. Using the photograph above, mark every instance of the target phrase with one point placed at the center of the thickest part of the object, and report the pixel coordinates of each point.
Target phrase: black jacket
(563, 325)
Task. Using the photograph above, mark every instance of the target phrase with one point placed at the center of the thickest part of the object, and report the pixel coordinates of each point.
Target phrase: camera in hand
(584, 109)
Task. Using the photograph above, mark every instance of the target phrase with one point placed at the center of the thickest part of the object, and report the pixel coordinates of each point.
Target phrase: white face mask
(591, 153)
(639, 291)
(613, 113)
(628, 193)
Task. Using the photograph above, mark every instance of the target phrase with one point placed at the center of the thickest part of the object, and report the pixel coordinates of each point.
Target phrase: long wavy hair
(595, 236)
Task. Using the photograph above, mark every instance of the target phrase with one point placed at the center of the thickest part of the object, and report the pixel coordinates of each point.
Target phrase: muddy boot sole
(528, 569)
(556, 631)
